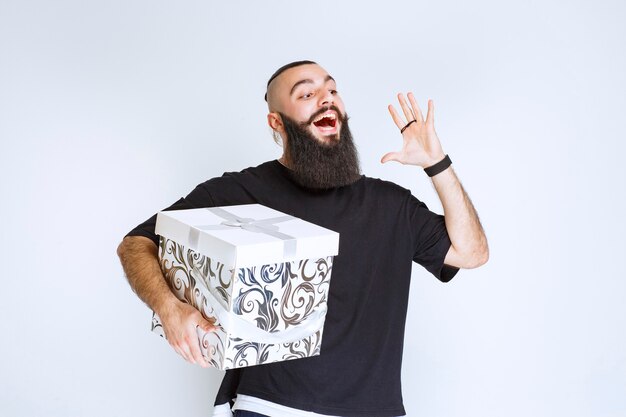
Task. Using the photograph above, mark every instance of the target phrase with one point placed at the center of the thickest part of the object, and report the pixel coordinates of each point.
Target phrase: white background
(111, 110)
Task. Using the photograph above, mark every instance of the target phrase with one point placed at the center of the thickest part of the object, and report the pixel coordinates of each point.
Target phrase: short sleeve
(430, 240)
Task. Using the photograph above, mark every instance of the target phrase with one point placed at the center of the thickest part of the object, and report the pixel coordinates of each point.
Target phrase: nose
(327, 99)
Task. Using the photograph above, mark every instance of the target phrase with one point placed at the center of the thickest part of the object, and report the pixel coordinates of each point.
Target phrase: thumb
(391, 156)
(206, 325)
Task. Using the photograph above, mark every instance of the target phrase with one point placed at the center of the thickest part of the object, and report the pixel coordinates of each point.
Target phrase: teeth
(331, 116)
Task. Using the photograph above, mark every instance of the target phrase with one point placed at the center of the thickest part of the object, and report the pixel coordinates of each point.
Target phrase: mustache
(340, 117)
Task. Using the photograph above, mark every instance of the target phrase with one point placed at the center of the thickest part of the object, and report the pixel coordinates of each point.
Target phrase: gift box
(262, 275)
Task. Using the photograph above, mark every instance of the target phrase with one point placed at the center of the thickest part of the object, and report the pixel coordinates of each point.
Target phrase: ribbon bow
(265, 226)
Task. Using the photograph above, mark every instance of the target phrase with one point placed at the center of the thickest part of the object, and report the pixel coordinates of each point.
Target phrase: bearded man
(383, 230)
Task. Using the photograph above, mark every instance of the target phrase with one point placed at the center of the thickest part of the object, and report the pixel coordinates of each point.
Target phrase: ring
(407, 125)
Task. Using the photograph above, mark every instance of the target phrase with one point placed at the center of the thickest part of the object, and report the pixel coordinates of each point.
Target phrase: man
(382, 227)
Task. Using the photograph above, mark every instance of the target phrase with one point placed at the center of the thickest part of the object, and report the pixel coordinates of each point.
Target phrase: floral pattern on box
(275, 298)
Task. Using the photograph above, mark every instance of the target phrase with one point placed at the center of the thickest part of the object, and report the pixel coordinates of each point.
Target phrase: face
(307, 94)
(317, 165)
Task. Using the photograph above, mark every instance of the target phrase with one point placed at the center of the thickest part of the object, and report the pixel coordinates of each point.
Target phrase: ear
(274, 121)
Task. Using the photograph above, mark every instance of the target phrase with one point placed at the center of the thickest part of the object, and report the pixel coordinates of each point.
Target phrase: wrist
(166, 305)
(432, 160)
(439, 166)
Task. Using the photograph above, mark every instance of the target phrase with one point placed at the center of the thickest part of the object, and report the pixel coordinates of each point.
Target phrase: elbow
(482, 257)
(472, 257)
(479, 256)
(121, 249)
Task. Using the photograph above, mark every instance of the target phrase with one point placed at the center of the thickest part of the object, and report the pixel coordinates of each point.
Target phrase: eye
(333, 92)
(306, 95)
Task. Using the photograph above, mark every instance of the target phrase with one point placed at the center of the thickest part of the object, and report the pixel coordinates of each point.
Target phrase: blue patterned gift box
(261, 274)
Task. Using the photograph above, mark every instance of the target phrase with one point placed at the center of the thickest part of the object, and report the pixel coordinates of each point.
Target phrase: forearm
(180, 320)
(139, 259)
(469, 243)
(421, 147)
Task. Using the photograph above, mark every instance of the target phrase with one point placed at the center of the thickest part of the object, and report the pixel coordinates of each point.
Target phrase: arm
(421, 147)
(139, 259)
(469, 244)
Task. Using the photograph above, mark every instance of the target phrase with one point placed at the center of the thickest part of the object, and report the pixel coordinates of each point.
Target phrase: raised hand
(420, 145)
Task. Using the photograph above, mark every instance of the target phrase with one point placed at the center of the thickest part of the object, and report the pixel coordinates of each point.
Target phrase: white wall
(111, 110)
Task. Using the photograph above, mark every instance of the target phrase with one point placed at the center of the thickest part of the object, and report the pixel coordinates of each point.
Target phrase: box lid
(247, 235)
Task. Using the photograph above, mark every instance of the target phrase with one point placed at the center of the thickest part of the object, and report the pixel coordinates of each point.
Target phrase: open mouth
(327, 123)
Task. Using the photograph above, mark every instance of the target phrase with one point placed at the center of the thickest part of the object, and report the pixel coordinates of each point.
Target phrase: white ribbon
(265, 226)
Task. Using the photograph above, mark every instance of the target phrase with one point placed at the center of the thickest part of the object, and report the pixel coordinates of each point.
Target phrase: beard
(318, 165)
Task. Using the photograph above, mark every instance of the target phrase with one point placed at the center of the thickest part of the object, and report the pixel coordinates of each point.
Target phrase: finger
(430, 116)
(396, 117)
(405, 108)
(416, 108)
(173, 341)
(183, 350)
(207, 325)
(196, 352)
(390, 156)
(181, 346)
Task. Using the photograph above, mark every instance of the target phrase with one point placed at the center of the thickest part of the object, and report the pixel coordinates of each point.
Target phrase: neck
(284, 162)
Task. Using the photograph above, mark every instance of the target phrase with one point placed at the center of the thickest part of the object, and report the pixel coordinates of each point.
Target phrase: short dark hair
(285, 68)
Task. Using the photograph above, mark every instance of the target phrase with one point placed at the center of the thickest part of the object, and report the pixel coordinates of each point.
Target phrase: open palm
(420, 145)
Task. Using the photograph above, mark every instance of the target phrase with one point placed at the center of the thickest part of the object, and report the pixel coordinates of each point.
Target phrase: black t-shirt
(383, 228)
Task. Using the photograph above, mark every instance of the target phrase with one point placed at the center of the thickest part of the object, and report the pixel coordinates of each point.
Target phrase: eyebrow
(308, 81)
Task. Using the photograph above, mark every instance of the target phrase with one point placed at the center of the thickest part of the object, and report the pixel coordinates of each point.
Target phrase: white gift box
(261, 274)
